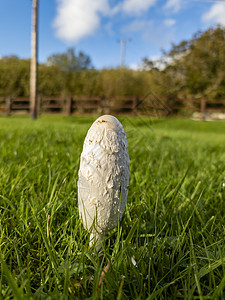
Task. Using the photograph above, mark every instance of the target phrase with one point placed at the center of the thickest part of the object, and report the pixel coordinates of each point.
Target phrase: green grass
(170, 243)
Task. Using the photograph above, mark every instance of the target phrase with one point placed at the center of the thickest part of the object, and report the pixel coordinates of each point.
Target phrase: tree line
(191, 69)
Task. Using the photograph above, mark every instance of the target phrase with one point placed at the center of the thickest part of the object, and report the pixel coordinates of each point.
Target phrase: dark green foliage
(195, 68)
(14, 76)
(68, 75)
(69, 62)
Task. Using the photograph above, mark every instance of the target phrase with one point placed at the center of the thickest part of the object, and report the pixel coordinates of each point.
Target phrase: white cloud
(109, 29)
(134, 66)
(174, 5)
(169, 22)
(137, 26)
(149, 31)
(78, 18)
(159, 61)
(216, 14)
(136, 7)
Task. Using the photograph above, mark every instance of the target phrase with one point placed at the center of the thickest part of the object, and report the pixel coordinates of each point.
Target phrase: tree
(70, 62)
(14, 76)
(71, 65)
(50, 81)
(195, 68)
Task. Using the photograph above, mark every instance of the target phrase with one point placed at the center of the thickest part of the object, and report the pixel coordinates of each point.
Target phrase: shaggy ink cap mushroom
(103, 177)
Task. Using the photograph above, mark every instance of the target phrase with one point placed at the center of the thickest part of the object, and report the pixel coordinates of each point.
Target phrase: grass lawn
(171, 241)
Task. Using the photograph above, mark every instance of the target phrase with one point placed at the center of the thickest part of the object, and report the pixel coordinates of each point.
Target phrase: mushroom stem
(96, 240)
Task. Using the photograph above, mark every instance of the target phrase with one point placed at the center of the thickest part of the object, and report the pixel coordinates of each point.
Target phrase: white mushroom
(103, 177)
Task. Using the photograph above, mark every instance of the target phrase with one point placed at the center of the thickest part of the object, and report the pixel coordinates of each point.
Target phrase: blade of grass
(47, 244)
(195, 267)
(18, 293)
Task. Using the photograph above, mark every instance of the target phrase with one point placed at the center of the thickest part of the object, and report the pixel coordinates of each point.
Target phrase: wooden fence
(133, 105)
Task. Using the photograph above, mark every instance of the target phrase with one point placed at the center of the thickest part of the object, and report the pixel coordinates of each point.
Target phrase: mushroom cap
(103, 175)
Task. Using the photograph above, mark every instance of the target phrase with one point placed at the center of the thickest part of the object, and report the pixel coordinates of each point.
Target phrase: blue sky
(96, 27)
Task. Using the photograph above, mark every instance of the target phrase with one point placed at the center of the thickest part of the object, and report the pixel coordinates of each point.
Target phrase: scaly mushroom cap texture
(103, 176)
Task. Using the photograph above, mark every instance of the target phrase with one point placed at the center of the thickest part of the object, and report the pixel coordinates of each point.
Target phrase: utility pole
(123, 52)
(34, 64)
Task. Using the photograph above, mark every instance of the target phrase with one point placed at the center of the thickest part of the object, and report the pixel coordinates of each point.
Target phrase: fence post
(100, 105)
(135, 105)
(170, 106)
(203, 108)
(38, 105)
(69, 102)
(8, 106)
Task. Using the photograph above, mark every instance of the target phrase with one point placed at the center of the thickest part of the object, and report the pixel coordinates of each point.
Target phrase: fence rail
(132, 105)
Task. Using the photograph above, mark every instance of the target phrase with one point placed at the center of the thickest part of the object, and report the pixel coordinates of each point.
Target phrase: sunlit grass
(170, 243)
